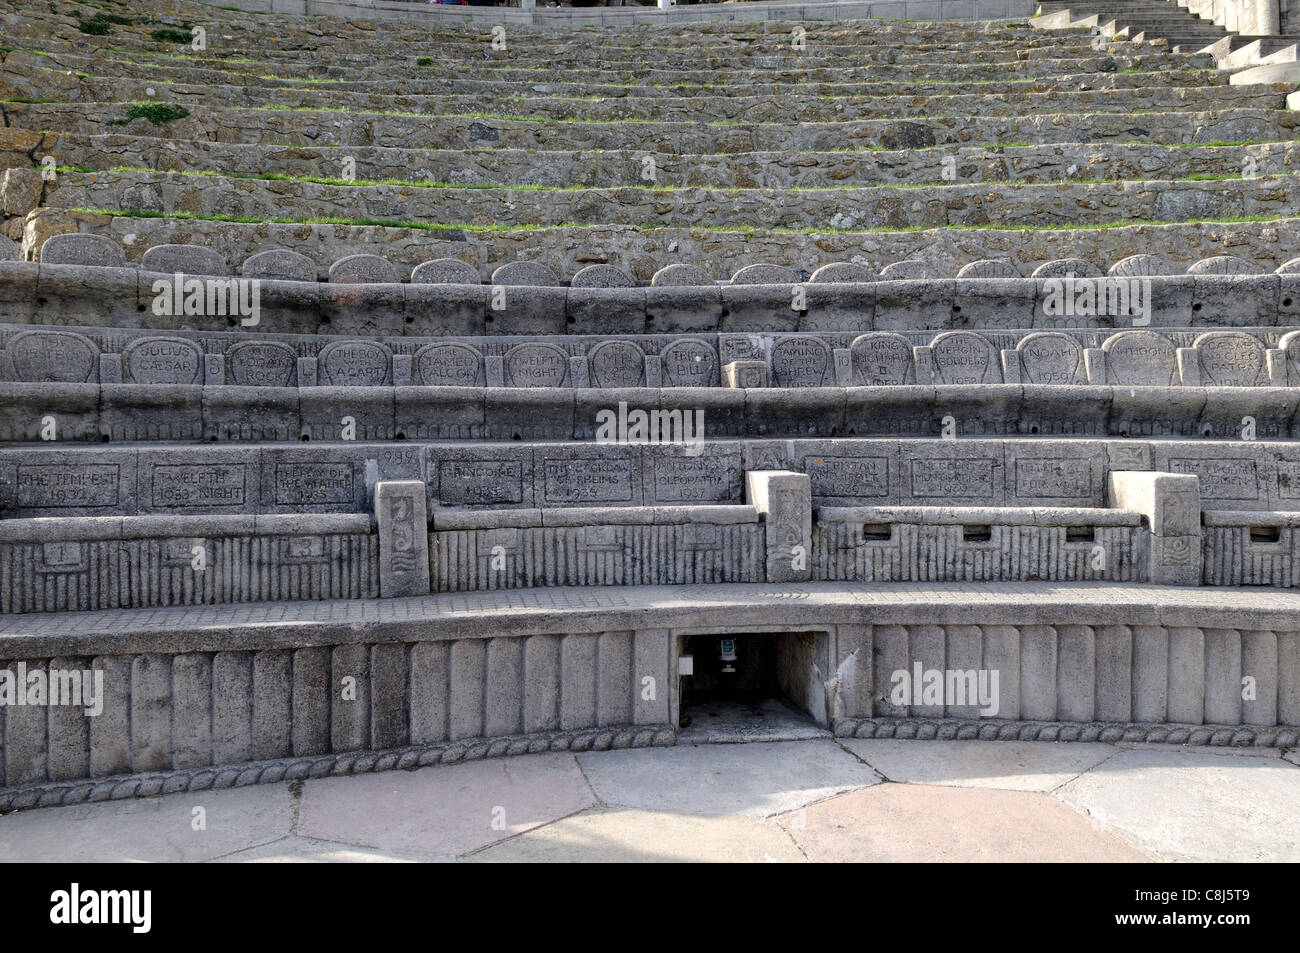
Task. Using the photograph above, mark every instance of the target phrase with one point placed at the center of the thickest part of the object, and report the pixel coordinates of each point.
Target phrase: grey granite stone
(681, 275)
(362, 269)
(909, 270)
(988, 268)
(79, 249)
(450, 271)
(843, 271)
(279, 263)
(530, 274)
(602, 276)
(188, 259)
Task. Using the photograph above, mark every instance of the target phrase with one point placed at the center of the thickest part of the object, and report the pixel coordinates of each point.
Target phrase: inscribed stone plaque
(262, 364)
(703, 479)
(163, 361)
(355, 364)
(689, 364)
(316, 483)
(449, 365)
(882, 358)
(1049, 357)
(178, 486)
(1232, 359)
(962, 357)
(480, 482)
(67, 484)
(53, 357)
(1140, 358)
(536, 365)
(616, 364)
(944, 479)
(1054, 479)
(1222, 478)
(589, 480)
(802, 362)
(848, 477)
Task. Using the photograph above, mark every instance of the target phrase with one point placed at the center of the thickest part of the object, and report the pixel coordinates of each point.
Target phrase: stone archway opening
(752, 686)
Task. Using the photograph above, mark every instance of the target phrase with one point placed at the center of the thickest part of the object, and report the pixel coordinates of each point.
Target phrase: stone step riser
(653, 78)
(750, 109)
(305, 128)
(1060, 204)
(504, 167)
(985, 80)
(219, 415)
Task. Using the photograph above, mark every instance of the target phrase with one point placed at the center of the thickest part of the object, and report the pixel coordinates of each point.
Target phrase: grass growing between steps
(738, 230)
(157, 113)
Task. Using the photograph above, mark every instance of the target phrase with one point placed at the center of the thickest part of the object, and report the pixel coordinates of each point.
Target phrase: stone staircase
(1267, 57)
(329, 351)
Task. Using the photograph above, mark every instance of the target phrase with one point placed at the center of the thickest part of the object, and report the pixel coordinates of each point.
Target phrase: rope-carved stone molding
(215, 778)
(932, 729)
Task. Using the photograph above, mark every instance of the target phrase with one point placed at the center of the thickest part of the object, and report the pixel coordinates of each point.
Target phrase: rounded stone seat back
(1143, 266)
(681, 275)
(764, 274)
(279, 264)
(843, 271)
(912, 269)
(188, 259)
(1291, 267)
(525, 273)
(445, 271)
(1223, 265)
(602, 276)
(988, 268)
(363, 269)
(1064, 267)
(9, 250)
(82, 249)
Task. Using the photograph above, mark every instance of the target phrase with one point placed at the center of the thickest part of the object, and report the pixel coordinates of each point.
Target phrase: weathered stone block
(785, 500)
(401, 516)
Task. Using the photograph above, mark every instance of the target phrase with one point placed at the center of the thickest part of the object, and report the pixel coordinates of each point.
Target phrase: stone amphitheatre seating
(308, 380)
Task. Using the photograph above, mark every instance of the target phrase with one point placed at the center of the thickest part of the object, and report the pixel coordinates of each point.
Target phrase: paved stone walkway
(817, 800)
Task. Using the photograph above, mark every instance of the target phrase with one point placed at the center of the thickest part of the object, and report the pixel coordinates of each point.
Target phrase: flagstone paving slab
(627, 836)
(308, 850)
(441, 810)
(444, 810)
(1008, 765)
(159, 829)
(754, 780)
(926, 823)
(1185, 806)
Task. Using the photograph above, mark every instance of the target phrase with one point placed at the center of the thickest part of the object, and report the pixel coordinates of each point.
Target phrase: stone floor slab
(307, 850)
(160, 829)
(1007, 765)
(732, 722)
(633, 836)
(1180, 805)
(917, 823)
(445, 810)
(754, 780)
